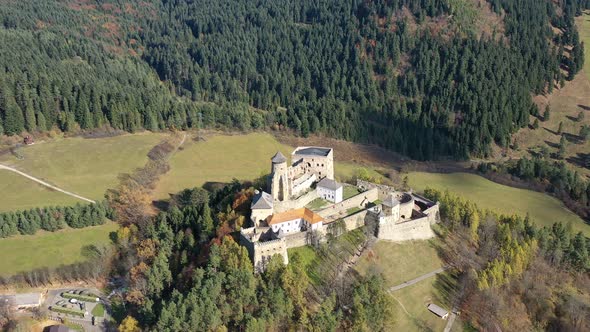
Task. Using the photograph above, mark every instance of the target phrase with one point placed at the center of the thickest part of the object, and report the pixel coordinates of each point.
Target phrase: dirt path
(43, 183)
(417, 280)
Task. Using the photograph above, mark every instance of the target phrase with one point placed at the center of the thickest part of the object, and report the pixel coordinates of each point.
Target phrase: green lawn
(98, 310)
(85, 166)
(220, 159)
(45, 249)
(543, 209)
(411, 313)
(399, 262)
(20, 193)
(317, 204)
(349, 191)
(345, 171)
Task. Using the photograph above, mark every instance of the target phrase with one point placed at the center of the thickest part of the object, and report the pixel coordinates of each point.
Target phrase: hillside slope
(428, 79)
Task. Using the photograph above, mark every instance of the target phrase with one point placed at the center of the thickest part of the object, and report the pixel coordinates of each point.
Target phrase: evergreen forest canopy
(419, 77)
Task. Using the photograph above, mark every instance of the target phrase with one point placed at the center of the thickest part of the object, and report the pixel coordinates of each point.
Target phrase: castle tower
(279, 185)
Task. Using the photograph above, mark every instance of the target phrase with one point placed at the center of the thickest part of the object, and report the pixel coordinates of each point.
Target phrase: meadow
(46, 249)
(219, 158)
(543, 209)
(87, 167)
(20, 193)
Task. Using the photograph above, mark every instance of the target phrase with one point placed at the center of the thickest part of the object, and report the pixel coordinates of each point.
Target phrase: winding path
(43, 183)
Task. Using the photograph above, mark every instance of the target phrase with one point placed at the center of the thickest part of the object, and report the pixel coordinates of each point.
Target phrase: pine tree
(560, 128)
(547, 113)
(562, 148)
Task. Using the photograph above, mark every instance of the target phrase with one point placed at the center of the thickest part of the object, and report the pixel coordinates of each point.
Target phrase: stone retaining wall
(417, 229)
(383, 190)
(361, 200)
(295, 204)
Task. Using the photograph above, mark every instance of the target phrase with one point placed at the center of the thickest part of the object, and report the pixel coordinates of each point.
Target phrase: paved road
(416, 280)
(41, 182)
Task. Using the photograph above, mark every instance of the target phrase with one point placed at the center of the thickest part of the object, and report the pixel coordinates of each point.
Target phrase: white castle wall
(417, 229)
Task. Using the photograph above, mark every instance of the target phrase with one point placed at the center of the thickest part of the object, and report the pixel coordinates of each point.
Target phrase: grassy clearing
(349, 191)
(344, 171)
(20, 193)
(44, 249)
(411, 312)
(220, 159)
(399, 262)
(85, 166)
(317, 204)
(98, 310)
(543, 209)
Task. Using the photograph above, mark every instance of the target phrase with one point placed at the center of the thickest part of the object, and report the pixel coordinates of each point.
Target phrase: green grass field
(20, 193)
(87, 167)
(98, 310)
(543, 209)
(399, 262)
(220, 159)
(411, 313)
(44, 249)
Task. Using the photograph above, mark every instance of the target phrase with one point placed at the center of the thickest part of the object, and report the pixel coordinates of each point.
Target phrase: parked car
(61, 302)
(73, 301)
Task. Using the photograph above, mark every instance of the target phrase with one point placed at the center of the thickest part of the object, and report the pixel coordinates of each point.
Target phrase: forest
(513, 275)
(423, 78)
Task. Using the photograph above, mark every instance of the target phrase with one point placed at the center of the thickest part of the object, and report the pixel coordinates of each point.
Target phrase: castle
(304, 199)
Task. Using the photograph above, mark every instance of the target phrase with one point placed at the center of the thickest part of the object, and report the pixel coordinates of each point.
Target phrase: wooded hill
(424, 78)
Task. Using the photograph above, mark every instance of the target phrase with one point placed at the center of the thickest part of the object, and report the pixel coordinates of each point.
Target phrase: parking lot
(81, 306)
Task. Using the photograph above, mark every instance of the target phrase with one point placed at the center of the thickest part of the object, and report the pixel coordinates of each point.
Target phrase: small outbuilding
(330, 190)
(440, 312)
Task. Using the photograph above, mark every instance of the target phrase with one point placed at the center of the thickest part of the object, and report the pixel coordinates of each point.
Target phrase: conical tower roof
(278, 158)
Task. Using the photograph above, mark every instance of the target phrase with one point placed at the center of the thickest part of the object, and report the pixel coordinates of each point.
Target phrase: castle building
(262, 207)
(282, 217)
(297, 220)
(308, 166)
(330, 190)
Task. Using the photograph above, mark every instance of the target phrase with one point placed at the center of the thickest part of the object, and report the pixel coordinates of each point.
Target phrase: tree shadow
(551, 131)
(573, 138)
(446, 289)
(533, 153)
(581, 160)
(572, 118)
(551, 144)
(161, 204)
(584, 107)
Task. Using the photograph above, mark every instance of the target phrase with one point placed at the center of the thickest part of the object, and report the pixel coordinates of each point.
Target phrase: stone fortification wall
(295, 204)
(261, 252)
(417, 229)
(355, 221)
(433, 214)
(359, 201)
(383, 190)
(296, 240)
